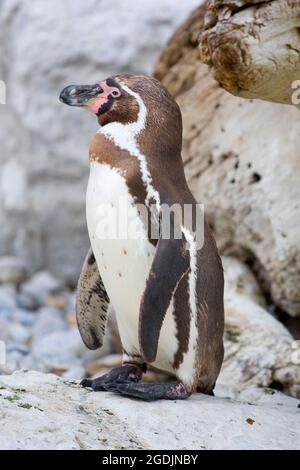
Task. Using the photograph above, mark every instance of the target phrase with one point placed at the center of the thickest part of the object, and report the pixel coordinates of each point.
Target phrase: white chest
(124, 256)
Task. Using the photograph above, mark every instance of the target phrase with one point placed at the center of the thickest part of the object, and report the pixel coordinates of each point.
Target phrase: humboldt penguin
(166, 286)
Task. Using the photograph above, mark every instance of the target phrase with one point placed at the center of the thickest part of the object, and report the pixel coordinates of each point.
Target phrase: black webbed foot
(151, 391)
(128, 373)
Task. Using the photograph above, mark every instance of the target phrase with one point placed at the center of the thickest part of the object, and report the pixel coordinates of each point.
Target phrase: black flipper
(91, 304)
(171, 262)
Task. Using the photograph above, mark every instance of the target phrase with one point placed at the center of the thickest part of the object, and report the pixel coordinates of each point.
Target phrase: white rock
(12, 270)
(75, 373)
(240, 280)
(33, 407)
(258, 348)
(48, 154)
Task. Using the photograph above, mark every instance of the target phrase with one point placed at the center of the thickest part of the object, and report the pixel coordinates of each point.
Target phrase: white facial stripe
(184, 370)
(124, 136)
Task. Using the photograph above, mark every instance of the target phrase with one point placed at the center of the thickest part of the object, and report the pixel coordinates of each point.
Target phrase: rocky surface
(259, 350)
(40, 411)
(46, 45)
(242, 162)
(38, 326)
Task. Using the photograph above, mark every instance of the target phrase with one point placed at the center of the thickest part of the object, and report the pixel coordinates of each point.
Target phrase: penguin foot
(128, 373)
(151, 391)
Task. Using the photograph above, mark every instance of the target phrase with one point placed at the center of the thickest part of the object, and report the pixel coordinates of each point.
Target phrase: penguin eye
(115, 93)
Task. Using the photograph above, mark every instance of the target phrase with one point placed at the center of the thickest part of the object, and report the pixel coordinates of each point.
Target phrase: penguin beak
(80, 95)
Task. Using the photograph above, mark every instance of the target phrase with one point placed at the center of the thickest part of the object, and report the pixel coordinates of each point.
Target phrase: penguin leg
(129, 373)
(152, 391)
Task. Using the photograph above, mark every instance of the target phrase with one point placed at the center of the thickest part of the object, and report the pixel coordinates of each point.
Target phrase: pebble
(4, 329)
(19, 333)
(12, 270)
(38, 325)
(41, 285)
(49, 321)
(24, 317)
(27, 301)
(75, 373)
(7, 296)
(17, 347)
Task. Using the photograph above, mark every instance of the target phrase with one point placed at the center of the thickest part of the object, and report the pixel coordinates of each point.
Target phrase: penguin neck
(125, 134)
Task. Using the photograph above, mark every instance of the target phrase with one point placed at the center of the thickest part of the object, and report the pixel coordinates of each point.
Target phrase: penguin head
(118, 99)
(98, 98)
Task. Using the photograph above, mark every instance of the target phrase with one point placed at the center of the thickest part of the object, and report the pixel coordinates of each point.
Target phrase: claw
(86, 383)
(151, 391)
(125, 374)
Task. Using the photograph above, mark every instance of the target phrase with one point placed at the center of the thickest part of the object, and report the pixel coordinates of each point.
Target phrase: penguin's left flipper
(151, 391)
(170, 264)
(92, 304)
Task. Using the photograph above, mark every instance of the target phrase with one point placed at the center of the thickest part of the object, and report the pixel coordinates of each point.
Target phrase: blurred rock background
(46, 45)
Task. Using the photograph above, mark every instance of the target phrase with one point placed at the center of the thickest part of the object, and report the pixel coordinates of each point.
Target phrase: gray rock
(4, 329)
(49, 321)
(12, 270)
(33, 406)
(44, 166)
(17, 347)
(7, 296)
(40, 285)
(19, 333)
(59, 350)
(27, 301)
(24, 317)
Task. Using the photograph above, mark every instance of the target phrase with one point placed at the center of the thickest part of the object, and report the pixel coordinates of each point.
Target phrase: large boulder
(44, 146)
(41, 411)
(253, 47)
(242, 161)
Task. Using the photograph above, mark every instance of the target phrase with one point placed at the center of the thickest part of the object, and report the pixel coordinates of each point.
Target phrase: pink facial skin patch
(108, 93)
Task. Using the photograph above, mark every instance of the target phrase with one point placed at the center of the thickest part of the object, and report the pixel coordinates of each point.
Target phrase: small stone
(49, 321)
(250, 421)
(58, 372)
(19, 333)
(70, 318)
(7, 296)
(27, 301)
(59, 301)
(12, 270)
(41, 285)
(24, 317)
(17, 347)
